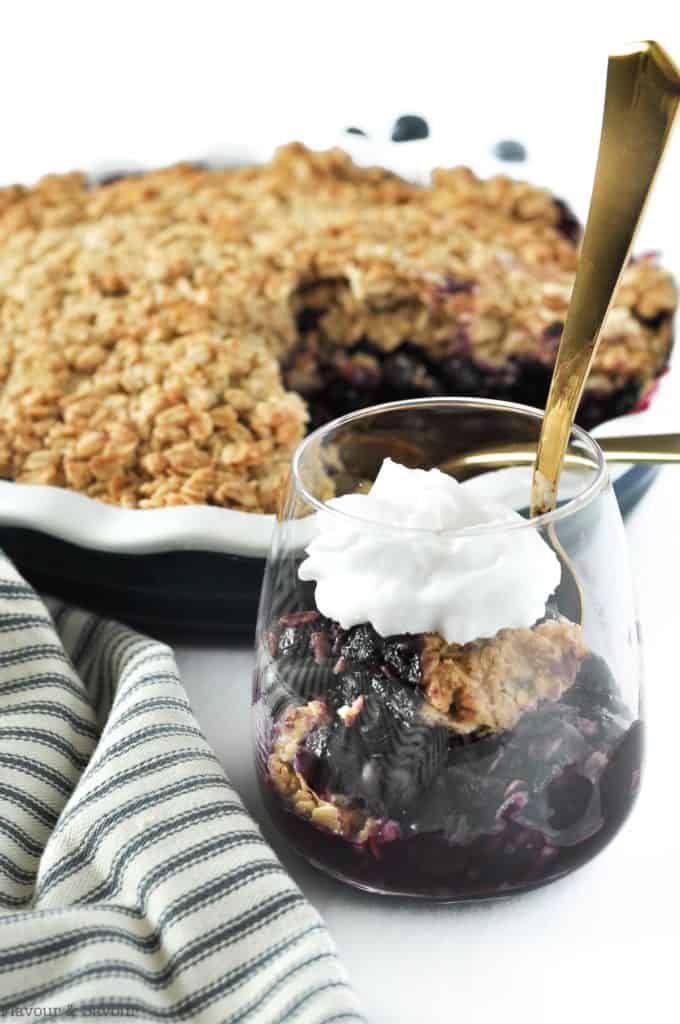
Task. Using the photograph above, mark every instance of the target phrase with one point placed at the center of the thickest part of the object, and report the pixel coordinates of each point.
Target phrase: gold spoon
(641, 101)
(648, 448)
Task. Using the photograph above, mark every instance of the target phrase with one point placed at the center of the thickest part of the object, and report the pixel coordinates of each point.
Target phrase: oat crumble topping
(490, 684)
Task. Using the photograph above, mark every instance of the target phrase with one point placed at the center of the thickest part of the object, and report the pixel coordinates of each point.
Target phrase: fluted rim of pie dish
(596, 486)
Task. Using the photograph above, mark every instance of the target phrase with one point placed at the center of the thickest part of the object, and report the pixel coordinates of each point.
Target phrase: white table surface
(590, 947)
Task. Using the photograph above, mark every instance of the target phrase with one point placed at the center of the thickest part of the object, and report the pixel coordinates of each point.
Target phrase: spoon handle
(656, 448)
(641, 101)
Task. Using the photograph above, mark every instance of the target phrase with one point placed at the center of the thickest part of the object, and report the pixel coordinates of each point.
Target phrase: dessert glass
(406, 765)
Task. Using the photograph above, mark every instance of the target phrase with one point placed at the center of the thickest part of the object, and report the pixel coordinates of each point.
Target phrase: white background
(154, 80)
(125, 83)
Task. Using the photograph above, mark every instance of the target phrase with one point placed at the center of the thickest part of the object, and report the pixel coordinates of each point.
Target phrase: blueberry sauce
(458, 816)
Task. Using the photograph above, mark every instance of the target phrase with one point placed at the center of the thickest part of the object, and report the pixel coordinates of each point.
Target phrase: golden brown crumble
(141, 322)
(489, 684)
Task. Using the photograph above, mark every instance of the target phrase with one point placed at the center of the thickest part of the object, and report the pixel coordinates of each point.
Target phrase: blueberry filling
(363, 376)
(454, 815)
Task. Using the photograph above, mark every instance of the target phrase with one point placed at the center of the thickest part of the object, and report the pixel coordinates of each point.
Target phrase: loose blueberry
(308, 319)
(510, 150)
(348, 686)
(409, 376)
(362, 372)
(410, 127)
(454, 285)
(113, 176)
(400, 371)
(464, 375)
(568, 797)
(401, 702)
(305, 764)
(301, 646)
(316, 741)
(553, 330)
(550, 340)
(654, 321)
(363, 645)
(403, 657)
(567, 225)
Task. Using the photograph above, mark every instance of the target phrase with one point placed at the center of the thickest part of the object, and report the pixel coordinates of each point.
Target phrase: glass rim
(569, 508)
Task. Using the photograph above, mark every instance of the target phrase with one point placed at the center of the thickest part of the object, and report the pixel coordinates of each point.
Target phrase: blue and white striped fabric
(132, 882)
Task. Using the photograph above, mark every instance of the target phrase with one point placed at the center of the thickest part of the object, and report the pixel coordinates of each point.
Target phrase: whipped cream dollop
(428, 579)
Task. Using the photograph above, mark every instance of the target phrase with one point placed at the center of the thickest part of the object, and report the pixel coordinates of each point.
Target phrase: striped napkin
(132, 881)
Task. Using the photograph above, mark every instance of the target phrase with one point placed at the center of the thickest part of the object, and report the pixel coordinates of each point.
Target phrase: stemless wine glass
(409, 765)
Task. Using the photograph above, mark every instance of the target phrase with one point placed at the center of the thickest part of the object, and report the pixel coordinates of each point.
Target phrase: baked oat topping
(490, 684)
(142, 322)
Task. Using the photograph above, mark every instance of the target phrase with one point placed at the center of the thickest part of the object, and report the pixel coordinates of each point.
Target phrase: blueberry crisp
(167, 338)
(409, 765)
